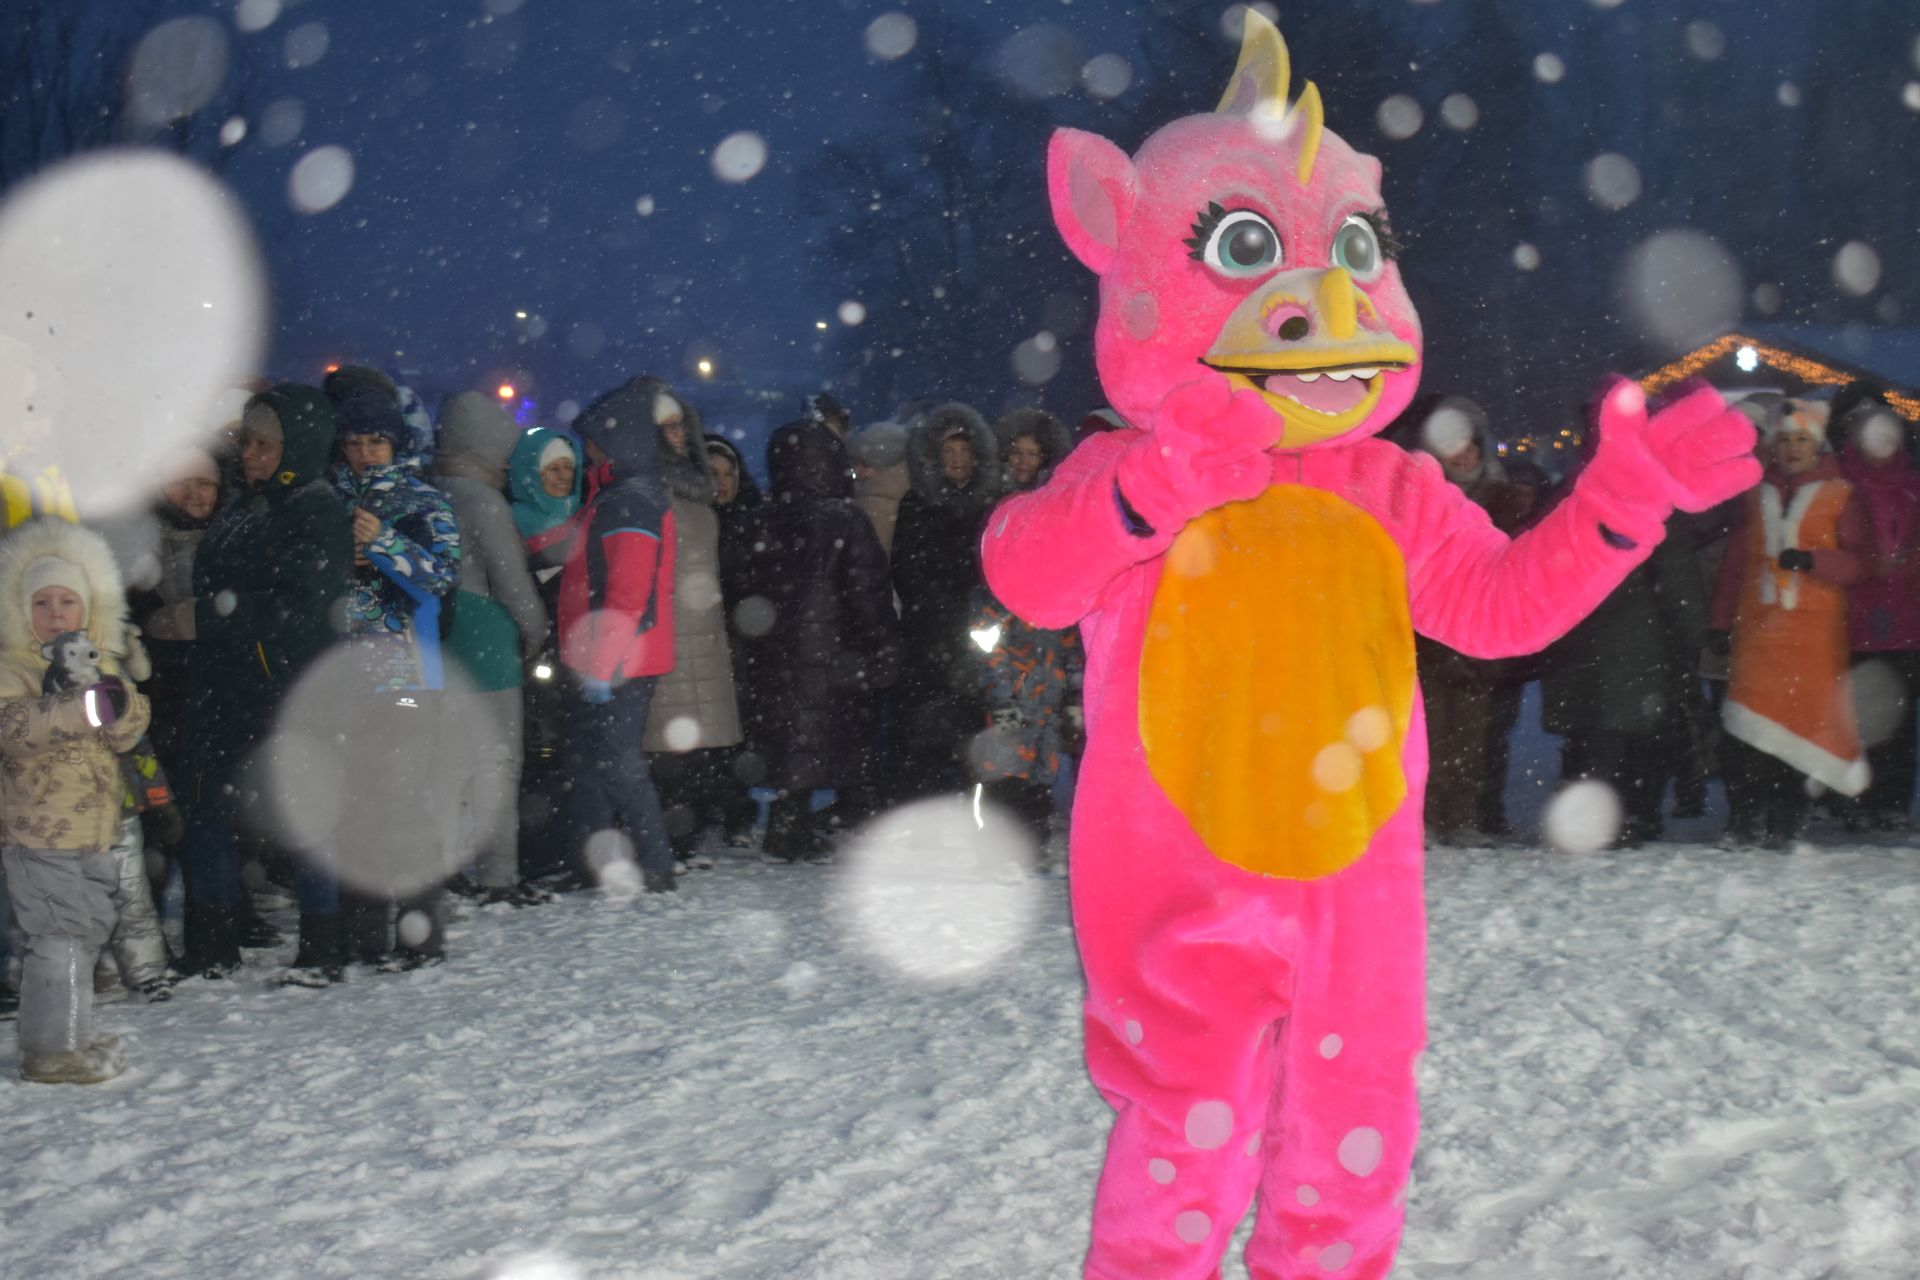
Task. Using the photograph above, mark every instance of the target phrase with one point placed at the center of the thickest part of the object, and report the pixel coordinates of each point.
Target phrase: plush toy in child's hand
(72, 663)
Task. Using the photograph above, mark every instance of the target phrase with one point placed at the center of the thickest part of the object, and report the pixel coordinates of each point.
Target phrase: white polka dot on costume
(1134, 1032)
(1336, 768)
(1335, 1257)
(1161, 1171)
(1360, 1151)
(1307, 1196)
(1193, 1226)
(1209, 1125)
(1253, 1145)
(1369, 729)
(1331, 1047)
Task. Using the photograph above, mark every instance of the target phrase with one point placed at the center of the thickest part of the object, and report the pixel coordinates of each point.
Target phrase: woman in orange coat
(1782, 594)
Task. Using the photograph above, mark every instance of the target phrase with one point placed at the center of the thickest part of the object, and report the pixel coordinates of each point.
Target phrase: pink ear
(1091, 184)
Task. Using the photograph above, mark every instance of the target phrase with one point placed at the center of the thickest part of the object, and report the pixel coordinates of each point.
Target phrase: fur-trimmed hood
(47, 538)
(923, 453)
(689, 478)
(1055, 437)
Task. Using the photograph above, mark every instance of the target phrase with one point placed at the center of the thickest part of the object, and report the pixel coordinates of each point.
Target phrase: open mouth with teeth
(1317, 402)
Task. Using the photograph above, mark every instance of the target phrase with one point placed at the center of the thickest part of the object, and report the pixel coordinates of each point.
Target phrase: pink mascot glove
(1207, 447)
(1693, 454)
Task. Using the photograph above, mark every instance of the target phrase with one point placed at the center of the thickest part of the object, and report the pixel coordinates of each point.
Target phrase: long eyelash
(1390, 244)
(1203, 229)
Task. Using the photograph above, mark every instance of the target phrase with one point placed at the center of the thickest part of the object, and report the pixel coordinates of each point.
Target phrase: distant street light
(506, 391)
(705, 368)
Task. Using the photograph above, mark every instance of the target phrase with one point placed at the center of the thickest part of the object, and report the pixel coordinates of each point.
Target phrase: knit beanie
(193, 464)
(350, 380)
(1809, 416)
(368, 413)
(51, 571)
(879, 445)
(556, 449)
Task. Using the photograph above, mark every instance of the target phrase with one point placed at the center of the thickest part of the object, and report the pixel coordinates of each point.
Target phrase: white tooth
(1366, 374)
(1339, 375)
(1307, 377)
(1298, 401)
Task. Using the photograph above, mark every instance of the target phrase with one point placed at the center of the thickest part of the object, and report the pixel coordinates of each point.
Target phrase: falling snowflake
(321, 179)
(739, 157)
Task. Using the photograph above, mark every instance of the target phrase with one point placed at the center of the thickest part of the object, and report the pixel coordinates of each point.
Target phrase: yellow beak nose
(1338, 303)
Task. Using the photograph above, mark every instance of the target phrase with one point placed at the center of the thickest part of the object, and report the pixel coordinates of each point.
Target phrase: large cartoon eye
(1356, 247)
(1240, 243)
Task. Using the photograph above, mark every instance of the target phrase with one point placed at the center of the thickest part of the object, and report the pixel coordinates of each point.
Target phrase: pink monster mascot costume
(1248, 566)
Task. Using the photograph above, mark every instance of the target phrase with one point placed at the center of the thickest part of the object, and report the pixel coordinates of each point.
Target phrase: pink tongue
(1323, 395)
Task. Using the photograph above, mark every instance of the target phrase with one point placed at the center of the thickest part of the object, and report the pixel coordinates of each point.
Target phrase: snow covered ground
(1670, 1062)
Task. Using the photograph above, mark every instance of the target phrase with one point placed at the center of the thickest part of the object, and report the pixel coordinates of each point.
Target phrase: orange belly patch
(1277, 681)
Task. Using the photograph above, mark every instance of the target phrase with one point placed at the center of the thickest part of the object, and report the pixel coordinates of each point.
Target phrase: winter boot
(212, 947)
(420, 928)
(524, 894)
(406, 960)
(107, 987)
(102, 1060)
(321, 959)
(789, 835)
(363, 920)
(659, 881)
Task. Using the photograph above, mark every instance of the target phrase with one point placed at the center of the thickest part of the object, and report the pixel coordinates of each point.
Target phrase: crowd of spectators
(354, 661)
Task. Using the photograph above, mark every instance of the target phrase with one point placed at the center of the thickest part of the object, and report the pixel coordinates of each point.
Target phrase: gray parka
(470, 467)
(694, 705)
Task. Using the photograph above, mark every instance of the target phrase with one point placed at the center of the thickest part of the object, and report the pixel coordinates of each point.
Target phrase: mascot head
(1250, 244)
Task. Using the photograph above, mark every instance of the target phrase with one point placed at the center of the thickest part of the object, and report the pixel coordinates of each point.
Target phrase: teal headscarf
(534, 509)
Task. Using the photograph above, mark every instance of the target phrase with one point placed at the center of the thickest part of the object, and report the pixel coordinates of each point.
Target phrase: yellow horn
(1308, 114)
(1261, 76)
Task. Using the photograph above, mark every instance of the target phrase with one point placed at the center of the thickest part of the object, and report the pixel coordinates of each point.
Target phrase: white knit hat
(52, 571)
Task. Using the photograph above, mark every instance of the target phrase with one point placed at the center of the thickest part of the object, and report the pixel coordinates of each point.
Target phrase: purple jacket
(1883, 612)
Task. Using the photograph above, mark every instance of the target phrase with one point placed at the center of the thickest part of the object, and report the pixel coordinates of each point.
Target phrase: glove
(1208, 447)
(1719, 643)
(164, 825)
(1693, 454)
(105, 702)
(1794, 560)
(596, 692)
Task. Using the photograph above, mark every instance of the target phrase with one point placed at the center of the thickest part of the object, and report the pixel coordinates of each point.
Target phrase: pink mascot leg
(1252, 1036)
(1345, 1121)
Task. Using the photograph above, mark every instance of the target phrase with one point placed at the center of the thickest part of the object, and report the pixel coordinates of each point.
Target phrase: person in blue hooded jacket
(406, 548)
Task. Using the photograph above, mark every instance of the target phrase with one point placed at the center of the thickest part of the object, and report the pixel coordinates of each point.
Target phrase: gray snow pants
(136, 954)
(64, 904)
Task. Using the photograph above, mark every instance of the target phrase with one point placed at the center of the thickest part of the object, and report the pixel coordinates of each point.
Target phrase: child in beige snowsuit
(61, 790)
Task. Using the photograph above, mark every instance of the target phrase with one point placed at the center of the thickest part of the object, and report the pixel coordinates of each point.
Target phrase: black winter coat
(811, 610)
(269, 582)
(936, 567)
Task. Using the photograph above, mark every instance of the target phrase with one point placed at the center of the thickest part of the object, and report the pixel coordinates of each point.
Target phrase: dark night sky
(501, 149)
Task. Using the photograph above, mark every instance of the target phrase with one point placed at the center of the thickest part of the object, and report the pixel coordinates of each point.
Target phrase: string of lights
(1798, 365)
